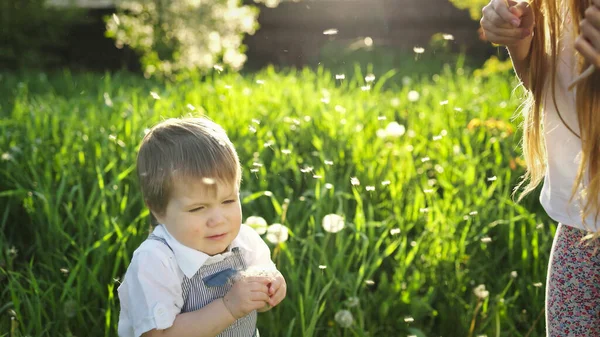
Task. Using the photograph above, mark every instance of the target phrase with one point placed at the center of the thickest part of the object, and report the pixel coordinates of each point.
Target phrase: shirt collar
(190, 260)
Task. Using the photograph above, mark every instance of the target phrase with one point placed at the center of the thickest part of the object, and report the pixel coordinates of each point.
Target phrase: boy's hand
(507, 22)
(277, 290)
(588, 43)
(246, 295)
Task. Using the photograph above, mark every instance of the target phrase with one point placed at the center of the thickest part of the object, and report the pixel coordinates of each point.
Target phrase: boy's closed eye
(229, 201)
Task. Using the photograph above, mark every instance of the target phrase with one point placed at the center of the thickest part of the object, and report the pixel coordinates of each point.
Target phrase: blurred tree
(173, 36)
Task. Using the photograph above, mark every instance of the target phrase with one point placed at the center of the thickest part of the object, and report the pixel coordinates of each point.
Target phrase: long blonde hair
(543, 60)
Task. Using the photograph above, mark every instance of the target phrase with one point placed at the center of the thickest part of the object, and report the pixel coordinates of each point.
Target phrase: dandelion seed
(473, 213)
(64, 270)
(466, 217)
(286, 151)
(107, 101)
(354, 181)
(427, 191)
(394, 130)
(352, 302)
(116, 19)
(328, 162)
(7, 156)
(413, 96)
(494, 178)
(456, 149)
(344, 318)
(252, 129)
(424, 210)
(277, 233)
(255, 164)
(409, 148)
(480, 292)
(340, 77)
(227, 86)
(306, 169)
(436, 138)
(409, 319)
(431, 182)
(322, 267)
(381, 118)
(365, 88)
(370, 282)
(444, 102)
(268, 193)
(395, 231)
(486, 239)
(258, 224)
(443, 133)
(539, 226)
(395, 102)
(121, 143)
(368, 41)
(514, 274)
(386, 182)
(340, 109)
(154, 95)
(538, 284)
(115, 187)
(370, 188)
(254, 170)
(112, 137)
(331, 31)
(325, 100)
(413, 243)
(333, 223)
(328, 186)
(307, 119)
(425, 159)
(218, 67)
(302, 198)
(369, 78)
(448, 37)
(316, 176)
(419, 50)
(261, 82)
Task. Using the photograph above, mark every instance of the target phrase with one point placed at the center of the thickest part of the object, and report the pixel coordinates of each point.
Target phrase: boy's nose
(216, 219)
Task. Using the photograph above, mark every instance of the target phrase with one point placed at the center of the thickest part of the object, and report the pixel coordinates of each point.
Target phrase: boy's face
(201, 217)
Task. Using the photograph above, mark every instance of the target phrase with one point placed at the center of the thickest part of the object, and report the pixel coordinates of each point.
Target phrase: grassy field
(427, 204)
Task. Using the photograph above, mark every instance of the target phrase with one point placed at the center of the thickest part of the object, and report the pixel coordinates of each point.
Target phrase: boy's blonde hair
(550, 18)
(184, 148)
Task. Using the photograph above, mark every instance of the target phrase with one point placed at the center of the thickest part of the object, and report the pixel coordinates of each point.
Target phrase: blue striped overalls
(196, 294)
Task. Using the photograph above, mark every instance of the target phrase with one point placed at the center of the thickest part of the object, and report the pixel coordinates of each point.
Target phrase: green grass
(70, 206)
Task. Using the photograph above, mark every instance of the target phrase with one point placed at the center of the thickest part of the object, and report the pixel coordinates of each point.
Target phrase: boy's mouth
(216, 237)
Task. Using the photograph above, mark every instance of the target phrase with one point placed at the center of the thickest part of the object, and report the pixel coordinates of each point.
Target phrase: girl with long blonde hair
(550, 42)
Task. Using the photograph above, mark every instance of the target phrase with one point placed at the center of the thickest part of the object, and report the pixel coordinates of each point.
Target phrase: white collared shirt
(151, 295)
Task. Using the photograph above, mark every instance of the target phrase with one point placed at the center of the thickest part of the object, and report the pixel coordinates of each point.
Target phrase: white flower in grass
(394, 130)
(344, 318)
(258, 224)
(480, 292)
(333, 223)
(413, 96)
(277, 233)
(352, 302)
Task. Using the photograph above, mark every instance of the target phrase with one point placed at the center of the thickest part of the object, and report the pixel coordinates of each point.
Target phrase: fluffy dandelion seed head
(538, 284)
(370, 188)
(258, 224)
(344, 318)
(354, 181)
(368, 41)
(480, 292)
(331, 31)
(328, 186)
(395, 231)
(413, 96)
(419, 50)
(409, 319)
(340, 76)
(322, 267)
(369, 78)
(486, 239)
(333, 223)
(394, 130)
(154, 95)
(514, 274)
(277, 233)
(352, 302)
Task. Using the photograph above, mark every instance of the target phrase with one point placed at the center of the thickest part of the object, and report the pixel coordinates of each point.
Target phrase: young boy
(187, 278)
